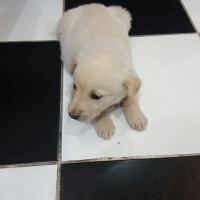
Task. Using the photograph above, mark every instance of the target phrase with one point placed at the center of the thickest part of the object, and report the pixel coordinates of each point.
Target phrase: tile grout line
(151, 35)
(26, 41)
(34, 164)
(188, 15)
(92, 160)
(43, 41)
(63, 6)
(58, 187)
(162, 35)
(60, 138)
(128, 158)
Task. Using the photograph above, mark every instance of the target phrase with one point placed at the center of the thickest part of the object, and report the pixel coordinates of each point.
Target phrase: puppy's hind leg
(104, 125)
(135, 117)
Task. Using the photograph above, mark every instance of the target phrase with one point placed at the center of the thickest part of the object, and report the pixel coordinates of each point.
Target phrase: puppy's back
(85, 23)
(123, 15)
(98, 18)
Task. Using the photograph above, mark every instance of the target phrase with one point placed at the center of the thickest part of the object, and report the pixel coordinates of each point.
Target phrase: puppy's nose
(73, 116)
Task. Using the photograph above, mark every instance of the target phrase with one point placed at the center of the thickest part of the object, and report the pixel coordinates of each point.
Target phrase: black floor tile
(148, 179)
(30, 96)
(149, 16)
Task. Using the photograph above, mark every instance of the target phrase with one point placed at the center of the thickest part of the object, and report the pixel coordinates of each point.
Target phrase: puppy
(95, 47)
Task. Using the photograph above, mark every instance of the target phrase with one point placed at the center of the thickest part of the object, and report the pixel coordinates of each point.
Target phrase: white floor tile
(28, 183)
(193, 8)
(169, 68)
(23, 20)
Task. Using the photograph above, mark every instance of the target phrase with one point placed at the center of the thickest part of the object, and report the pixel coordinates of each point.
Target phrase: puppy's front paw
(137, 120)
(104, 127)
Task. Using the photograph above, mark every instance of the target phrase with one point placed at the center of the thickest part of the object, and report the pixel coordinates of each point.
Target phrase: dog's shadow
(69, 89)
(88, 126)
(75, 128)
(116, 111)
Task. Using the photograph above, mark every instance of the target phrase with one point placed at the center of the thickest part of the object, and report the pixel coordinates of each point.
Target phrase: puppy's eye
(74, 86)
(94, 96)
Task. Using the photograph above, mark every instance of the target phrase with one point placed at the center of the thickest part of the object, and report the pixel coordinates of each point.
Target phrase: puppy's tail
(122, 15)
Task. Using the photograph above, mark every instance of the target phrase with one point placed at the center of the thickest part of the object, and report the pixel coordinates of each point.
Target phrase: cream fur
(95, 47)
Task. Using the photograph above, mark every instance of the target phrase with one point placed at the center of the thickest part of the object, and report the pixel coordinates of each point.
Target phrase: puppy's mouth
(84, 117)
(80, 118)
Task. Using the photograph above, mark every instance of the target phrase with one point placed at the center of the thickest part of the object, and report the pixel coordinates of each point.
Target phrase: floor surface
(46, 155)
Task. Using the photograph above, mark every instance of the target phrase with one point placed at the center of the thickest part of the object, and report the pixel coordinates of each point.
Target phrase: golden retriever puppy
(95, 47)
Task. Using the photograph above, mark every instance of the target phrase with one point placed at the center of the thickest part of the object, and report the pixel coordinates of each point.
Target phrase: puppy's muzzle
(73, 116)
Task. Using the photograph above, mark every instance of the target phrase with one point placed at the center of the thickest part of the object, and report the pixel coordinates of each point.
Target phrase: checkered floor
(45, 155)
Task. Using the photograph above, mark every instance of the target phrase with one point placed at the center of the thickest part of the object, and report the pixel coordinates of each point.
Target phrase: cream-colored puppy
(95, 46)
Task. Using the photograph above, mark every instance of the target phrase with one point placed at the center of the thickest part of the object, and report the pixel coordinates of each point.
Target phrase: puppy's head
(99, 82)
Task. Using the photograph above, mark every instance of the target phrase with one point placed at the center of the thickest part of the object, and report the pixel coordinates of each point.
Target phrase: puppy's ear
(132, 84)
(73, 66)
